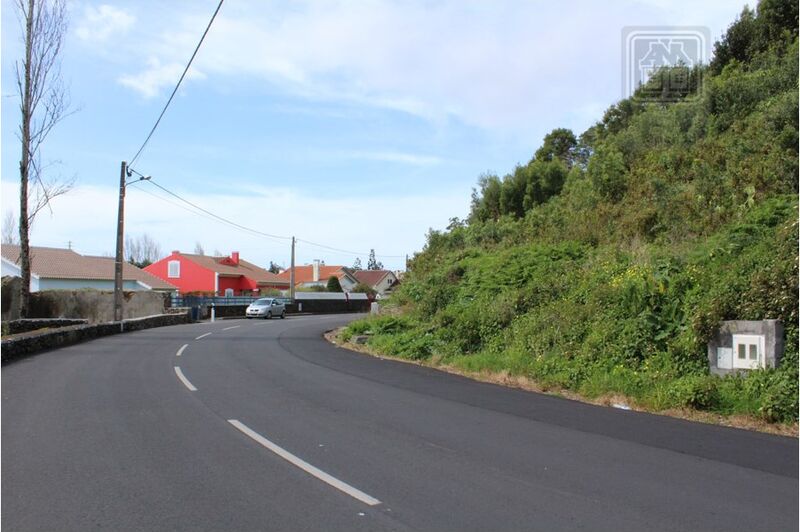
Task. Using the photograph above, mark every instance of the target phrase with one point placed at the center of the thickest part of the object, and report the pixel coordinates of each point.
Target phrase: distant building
(223, 276)
(64, 269)
(382, 281)
(317, 274)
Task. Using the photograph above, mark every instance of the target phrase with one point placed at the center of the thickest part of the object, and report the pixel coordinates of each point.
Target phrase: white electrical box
(748, 351)
(725, 357)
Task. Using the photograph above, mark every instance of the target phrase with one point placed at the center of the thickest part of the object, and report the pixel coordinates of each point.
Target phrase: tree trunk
(24, 169)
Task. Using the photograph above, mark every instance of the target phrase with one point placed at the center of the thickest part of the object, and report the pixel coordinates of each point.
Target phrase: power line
(219, 218)
(216, 217)
(184, 207)
(175, 90)
(356, 253)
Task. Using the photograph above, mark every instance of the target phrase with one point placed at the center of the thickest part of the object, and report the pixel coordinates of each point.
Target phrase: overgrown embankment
(603, 265)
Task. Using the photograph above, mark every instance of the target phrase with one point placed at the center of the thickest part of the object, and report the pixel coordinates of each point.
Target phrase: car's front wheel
(269, 315)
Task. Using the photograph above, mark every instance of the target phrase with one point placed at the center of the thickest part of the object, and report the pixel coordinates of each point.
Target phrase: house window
(229, 292)
(748, 351)
(174, 269)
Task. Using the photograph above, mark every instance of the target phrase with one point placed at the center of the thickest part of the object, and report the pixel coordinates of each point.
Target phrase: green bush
(606, 263)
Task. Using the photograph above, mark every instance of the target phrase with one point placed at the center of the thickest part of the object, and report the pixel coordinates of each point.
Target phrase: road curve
(263, 425)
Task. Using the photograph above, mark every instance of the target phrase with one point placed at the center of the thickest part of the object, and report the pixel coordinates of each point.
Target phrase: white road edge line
(229, 328)
(305, 466)
(181, 350)
(202, 336)
(184, 380)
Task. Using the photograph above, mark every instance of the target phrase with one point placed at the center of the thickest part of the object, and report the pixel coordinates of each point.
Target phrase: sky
(353, 125)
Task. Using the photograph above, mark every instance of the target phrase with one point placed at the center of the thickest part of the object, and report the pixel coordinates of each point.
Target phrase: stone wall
(27, 344)
(95, 305)
(10, 297)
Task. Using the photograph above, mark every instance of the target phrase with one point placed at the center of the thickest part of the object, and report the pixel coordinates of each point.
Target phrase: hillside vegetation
(604, 264)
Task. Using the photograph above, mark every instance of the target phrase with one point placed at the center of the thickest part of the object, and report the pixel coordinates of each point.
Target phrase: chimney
(235, 258)
(315, 269)
(176, 252)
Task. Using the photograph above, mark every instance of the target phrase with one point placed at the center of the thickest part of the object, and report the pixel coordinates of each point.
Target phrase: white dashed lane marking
(305, 466)
(184, 380)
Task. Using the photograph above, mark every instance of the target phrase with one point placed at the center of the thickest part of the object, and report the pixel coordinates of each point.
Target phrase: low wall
(25, 325)
(10, 297)
(313, 306)
(15, 348)
(96, 306)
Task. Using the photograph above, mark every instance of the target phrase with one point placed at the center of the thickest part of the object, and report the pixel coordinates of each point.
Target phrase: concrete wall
(95, 305)
(771, 330)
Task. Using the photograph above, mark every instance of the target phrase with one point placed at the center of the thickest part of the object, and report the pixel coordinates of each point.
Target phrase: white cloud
(393, 157)
(157, 76)
(86, 216)
(100, 23)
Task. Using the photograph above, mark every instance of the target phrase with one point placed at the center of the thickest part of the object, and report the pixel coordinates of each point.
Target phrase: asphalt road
(266, 426)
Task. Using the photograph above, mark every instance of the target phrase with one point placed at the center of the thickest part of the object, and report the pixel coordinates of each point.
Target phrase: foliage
(373, 264)
(605, 263)
(142, 250)
(333, 284)
(364, 288)
(312, 288)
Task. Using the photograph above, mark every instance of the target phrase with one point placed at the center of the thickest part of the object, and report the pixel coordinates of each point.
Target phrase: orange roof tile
(58, 263)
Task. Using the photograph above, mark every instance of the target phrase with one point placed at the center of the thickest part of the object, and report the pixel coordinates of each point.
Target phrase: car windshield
(262, 302)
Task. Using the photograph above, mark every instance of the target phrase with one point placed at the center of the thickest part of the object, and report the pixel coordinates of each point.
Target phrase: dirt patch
(504, 378)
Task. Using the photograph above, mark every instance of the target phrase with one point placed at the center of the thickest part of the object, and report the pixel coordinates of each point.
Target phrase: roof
(371, 277)
(58, 263)
(248, 269)
(305, 274)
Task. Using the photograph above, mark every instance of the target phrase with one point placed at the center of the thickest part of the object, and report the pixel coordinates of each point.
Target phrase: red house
(224, 276)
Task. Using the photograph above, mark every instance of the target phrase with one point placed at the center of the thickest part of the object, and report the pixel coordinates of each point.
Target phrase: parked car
(266, 308)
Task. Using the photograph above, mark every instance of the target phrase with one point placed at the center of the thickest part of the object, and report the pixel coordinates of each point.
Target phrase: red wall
(194, 278)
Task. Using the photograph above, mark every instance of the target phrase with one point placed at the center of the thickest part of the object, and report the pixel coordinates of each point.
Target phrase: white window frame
(748, 341)
(229, 292)
(174, 269)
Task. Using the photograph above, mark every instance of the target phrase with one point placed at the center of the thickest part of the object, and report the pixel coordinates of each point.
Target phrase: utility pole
(291, 275)
(123, 173)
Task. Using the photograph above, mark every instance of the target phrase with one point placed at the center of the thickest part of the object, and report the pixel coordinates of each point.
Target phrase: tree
(333, 284)
(558, 144)
(198, 248)
(274, 268)
(10, 233)
(373, 264)
(364, 288)
(357, 265)
(43, 104)
(141, 251)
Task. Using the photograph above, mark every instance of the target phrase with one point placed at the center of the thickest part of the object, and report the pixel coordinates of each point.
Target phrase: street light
(124, 173)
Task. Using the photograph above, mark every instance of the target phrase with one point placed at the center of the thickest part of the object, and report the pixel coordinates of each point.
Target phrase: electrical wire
(349, 252)
(216, 217)
(175, 90)
(219, 218)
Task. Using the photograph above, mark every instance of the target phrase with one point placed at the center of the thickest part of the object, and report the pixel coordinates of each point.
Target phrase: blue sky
(355, 124)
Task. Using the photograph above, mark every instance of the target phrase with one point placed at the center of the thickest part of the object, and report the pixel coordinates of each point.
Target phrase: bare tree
(10, 234)
(141, 251)
(43, 104)
(198, 248)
